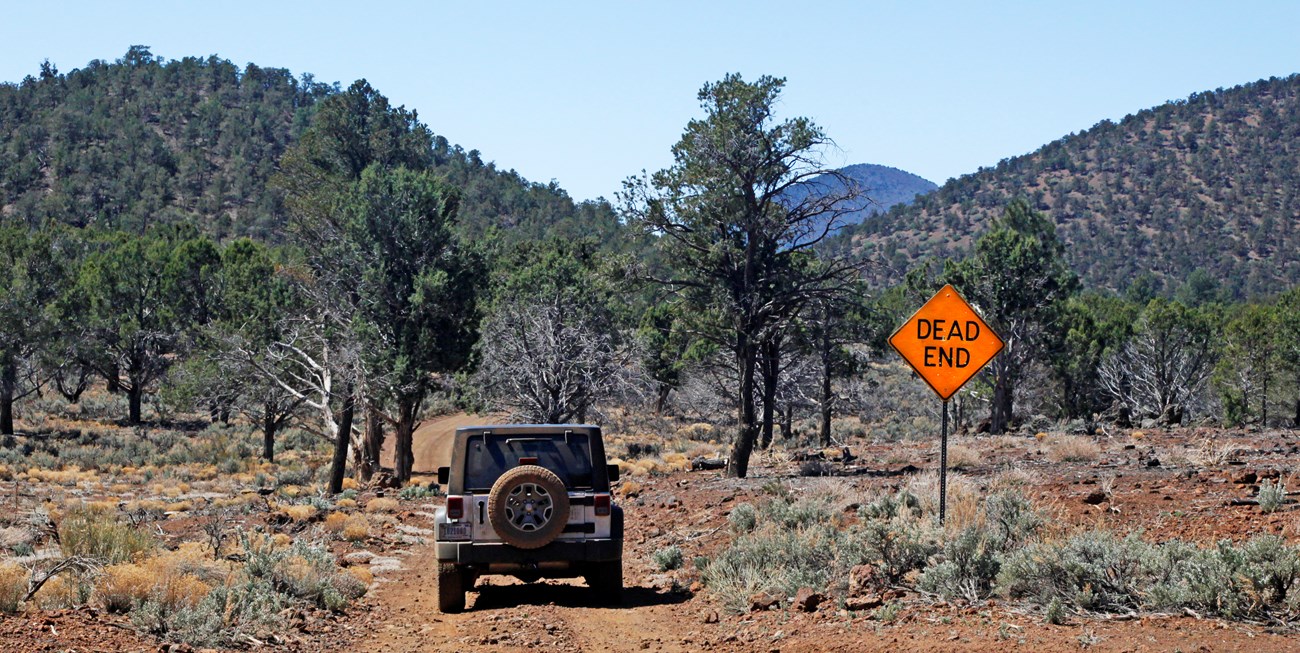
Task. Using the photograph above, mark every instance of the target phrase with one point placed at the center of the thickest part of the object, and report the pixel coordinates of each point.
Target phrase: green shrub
(413, 492)
(970, 567)
(774, 560)
(1011, 520)
(742, 518)
(305, 571)
(897, 547)
(226, 617)
(891, 506)
(1271, 496)
(668, 558)
(1095, 571)
(801, 512)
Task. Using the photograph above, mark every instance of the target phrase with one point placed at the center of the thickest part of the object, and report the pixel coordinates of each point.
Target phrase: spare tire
(528, 506)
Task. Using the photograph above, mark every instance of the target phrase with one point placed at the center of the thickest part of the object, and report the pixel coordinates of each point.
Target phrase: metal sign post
(943, 467)
(947, 343)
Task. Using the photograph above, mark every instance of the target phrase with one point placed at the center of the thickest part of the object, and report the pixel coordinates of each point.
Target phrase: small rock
(806, 600)
(862, 578)
(1095, 497)
(866, 602)
(762, 602)
(709, 616)
(1246, 478)
(695, 587)
(1153, 462)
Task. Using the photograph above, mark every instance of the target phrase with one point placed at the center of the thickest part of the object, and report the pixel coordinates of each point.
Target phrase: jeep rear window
(488, 456)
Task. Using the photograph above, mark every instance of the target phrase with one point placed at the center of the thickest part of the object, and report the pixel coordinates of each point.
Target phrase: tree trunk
(1000, 414)
(827, 398)
(746, 429)
(339, 464)
(373, 444)
(268, 432)
(1263, 404)
(134, 395)
(8, 382)
(787, 424)
(404, 457)
(661, 398)
(771, 368)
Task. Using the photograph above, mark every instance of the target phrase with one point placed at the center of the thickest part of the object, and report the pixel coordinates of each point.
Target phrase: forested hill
(142, 141)
(885, 187)
(1210, 183)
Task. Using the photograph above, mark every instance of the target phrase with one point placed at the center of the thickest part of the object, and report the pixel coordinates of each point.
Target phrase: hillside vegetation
(143, 141)
(885, 187)
(1208, 183)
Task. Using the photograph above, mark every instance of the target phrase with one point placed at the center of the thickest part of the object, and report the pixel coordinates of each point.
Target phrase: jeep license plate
(452, 532)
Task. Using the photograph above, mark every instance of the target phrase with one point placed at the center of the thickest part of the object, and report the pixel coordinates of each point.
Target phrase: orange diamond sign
(946, 342)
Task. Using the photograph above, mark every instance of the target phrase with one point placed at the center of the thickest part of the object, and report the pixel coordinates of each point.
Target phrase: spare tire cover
(528, 506)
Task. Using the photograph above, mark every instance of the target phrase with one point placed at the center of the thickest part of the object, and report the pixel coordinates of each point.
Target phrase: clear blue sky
(588, 93)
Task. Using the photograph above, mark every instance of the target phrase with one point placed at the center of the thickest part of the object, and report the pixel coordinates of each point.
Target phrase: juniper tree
(737, 240)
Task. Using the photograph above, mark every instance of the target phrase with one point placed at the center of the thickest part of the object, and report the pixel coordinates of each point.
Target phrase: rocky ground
(1192, 484)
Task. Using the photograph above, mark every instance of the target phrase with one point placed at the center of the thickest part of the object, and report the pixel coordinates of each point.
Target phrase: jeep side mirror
(613, 472)
(444, 473)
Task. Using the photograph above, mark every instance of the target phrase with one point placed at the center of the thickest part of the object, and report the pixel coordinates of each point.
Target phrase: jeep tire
(528, 507)
(451, 588)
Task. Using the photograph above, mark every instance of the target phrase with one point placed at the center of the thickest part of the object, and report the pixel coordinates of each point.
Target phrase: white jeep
(531, 501)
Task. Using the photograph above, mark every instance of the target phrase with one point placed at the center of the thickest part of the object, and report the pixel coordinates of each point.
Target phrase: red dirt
(1174, 499)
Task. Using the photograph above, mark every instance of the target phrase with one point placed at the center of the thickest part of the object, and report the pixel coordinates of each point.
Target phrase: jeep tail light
(601, 503)
(455, 507)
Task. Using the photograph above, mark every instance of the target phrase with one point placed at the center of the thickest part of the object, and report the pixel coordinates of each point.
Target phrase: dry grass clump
(628, 489)
(962, 456)
(699, 431)
(297, 512)
(1212, 454)
(59, 593)
(353, 528)
(1072, 449)
(334, 522)
(963, 505)
(13, 537)
(363, 575)
(356, 528)
(70, 475)
(151, 506)
(350, 483)
(382, 504)
(99, 534)
(676, 462)
(1014, 478)
(13, 586)
(124, 586)
(172, 579)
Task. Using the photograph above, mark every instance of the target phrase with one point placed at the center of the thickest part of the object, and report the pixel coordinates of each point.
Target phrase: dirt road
(660, 613)
(431, 443)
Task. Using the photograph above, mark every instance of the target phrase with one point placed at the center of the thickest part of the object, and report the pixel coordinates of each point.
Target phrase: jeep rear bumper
(472, 553)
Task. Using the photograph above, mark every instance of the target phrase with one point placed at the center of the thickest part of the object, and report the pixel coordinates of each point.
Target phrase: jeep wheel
(528, 506)
(606, 580)
(451, 588)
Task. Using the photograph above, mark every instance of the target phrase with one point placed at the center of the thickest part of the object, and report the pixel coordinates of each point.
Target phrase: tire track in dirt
(504, 614)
